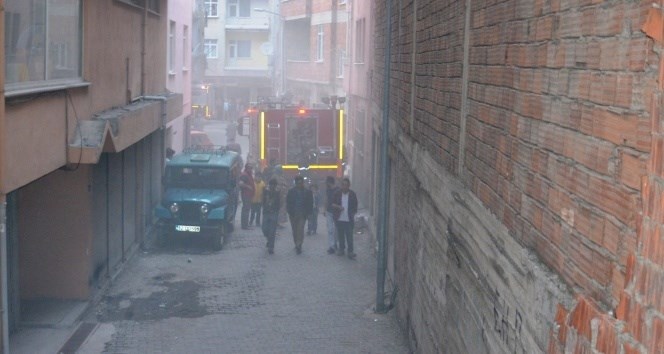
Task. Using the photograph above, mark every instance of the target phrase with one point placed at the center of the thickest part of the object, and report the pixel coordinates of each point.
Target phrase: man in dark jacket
(344, 204)
(299, 204)
(271, 204)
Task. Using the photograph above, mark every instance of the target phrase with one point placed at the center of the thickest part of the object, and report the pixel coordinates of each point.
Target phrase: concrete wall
(526, 135)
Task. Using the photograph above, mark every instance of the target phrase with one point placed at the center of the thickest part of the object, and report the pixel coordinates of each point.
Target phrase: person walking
(344, 204)
(330, 189)
(312, 221)
(271, 201)
(247, 190)
(257, 200)
(299, 202)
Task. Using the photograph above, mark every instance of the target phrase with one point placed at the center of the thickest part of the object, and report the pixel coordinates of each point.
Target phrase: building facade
(81, 145)
(239, 51)
(526, 174)
(315, 49)
(358, 68)
(179, 67)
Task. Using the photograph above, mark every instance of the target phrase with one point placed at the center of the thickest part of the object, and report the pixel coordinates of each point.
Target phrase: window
(185, 46)
(171, 47)
(319, 43)
(211, 8)
(359, 41)
(239, 49)
(239, 8)
(211, 50)
(42, 43)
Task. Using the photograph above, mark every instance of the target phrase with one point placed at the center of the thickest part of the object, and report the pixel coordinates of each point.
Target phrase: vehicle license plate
(186, 228)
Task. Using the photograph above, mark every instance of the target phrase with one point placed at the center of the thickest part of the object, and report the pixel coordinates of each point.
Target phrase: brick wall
(557, 120)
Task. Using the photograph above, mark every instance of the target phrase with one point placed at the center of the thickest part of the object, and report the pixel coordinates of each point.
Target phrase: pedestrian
(169, 154)
(299, 202)
(247, 189)
(312, 221)
(256, 202)
(344, 204)
(330, 189)
(271, 203)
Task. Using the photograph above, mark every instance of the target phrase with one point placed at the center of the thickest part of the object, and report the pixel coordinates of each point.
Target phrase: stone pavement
(188, 299)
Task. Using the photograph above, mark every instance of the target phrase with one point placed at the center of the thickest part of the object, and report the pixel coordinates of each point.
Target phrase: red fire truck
(301, 140)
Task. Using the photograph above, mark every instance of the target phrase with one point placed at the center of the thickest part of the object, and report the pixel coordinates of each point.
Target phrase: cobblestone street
(187, 299)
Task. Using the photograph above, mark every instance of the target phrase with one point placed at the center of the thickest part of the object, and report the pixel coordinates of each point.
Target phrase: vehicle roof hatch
(200, 158)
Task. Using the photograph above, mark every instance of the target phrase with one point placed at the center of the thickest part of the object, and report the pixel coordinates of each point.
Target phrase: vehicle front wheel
(217, 240)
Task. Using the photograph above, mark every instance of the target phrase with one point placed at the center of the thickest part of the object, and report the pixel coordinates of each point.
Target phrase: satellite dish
(266, 48)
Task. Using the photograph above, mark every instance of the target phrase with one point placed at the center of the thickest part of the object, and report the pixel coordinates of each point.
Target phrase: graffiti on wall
(507, 324)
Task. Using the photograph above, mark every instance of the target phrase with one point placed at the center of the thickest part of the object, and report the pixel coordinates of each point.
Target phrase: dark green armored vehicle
(200, 195)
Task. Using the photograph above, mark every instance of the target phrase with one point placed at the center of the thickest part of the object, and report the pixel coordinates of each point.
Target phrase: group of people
(302, 206)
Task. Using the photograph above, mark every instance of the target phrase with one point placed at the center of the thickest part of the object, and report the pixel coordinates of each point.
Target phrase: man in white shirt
(345, 206)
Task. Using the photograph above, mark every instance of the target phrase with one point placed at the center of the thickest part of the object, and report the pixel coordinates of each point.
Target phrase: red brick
(654, 25)
(610, 20)
(653, 245)
(656, 336)
(649, 284)
(617, 128)
(656, 163)
(633, 314)
(632, 169)
(554, 347)
(617, 284)
(624, 91)
(628, 349)
(638, 53)
(611, 238)
(607, 340)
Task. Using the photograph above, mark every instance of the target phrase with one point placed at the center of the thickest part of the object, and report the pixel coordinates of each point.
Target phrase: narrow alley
(185, 297)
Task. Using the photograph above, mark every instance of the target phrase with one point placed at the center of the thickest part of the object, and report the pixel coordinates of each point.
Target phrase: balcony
(258, 23)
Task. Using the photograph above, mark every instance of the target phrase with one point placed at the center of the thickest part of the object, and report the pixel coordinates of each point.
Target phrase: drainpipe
(384, 170)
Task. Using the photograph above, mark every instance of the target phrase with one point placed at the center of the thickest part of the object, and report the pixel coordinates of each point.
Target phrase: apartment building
(81, 146)
(315, 49)
(239, 50)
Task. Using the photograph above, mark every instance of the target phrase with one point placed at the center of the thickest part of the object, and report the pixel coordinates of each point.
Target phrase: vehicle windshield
(196, 177)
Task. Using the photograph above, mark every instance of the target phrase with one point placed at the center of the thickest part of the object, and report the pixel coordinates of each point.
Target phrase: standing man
(330, 189)
(299, 203)
(271, 203)
(247, 190)
(345, 207)
(256, 202)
